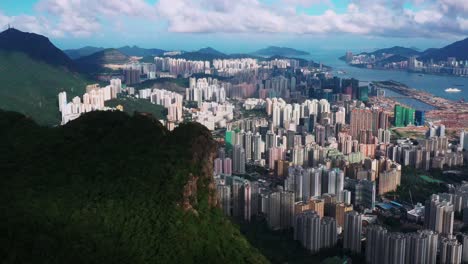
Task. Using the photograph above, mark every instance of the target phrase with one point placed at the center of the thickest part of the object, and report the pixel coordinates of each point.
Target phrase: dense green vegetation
(421, 189)
(31, 87)
(109, 188)
(181, 82)
(132, 105)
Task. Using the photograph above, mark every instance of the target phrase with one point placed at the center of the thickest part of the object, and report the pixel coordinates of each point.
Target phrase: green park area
(416, 186)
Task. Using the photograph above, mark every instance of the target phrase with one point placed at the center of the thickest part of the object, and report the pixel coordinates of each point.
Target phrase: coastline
(402, 70)
(451, 113)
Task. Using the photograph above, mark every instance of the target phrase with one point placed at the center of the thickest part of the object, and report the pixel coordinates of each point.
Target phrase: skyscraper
(308, 230)
(224, 198)
(450, 251)
(274, 210)
(375, 243)
(419, 118)
(248, 145)
(439, 215)
(422, 247)
(403, 116)
(395, 246)
(286, 209)
(352, 232)
(227, 166)
(239, 159)
(362, 192)
(218, 166)
(465, 249)
(328, 234)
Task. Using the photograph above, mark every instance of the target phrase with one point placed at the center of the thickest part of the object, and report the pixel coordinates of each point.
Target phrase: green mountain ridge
(110, 188)
(212, 51)
(127, 50)
(396, 50)
(32, 73)
(279, 51)
(95, 62)
(458, 49)
(140, 52)
(35, 46)
(31, 87)
(82, 52)
(107, 56)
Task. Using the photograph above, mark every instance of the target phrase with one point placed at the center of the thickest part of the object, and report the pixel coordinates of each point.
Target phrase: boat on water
(452, 90)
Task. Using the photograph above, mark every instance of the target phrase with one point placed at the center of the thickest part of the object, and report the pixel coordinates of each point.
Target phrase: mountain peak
(280, 51)
(458, 49)
(35, 46)
(212, 51)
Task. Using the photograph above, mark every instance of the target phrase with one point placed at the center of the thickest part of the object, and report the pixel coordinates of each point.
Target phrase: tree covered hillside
(31, 86)
(110, 188)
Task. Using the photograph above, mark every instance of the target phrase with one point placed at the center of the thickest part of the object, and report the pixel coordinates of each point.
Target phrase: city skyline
(241, 26)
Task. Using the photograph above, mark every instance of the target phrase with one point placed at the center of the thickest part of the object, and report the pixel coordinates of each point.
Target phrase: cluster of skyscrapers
(93, 100)
(231, 67)
(170, 100)
(205, 89)
(181, 66)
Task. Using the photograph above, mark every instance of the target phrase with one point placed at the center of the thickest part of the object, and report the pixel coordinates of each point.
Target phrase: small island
(280, 51)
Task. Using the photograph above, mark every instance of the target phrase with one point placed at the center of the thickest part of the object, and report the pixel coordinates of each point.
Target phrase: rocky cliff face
(202, 149)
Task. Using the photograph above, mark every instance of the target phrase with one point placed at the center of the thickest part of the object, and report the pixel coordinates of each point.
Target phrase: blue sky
(242, 25)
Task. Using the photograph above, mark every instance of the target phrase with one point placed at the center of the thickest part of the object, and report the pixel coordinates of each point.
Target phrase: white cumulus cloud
(82, 18)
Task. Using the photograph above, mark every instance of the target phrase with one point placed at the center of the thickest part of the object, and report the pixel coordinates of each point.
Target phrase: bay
(434, 84)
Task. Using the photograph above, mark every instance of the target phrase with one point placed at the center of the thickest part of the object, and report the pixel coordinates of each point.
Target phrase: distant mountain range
(397, 50)
(127, 50)
(279, 51)
(82, 52)
(32, 73)
(95, 62)
(211, 51)
(207, 53)
(459, 50)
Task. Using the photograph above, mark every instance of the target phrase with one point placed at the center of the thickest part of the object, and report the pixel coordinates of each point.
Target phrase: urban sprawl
(308, 151)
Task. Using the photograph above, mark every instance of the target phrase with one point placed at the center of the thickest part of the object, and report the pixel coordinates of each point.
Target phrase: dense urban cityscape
(351, 147)
(316, 154)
